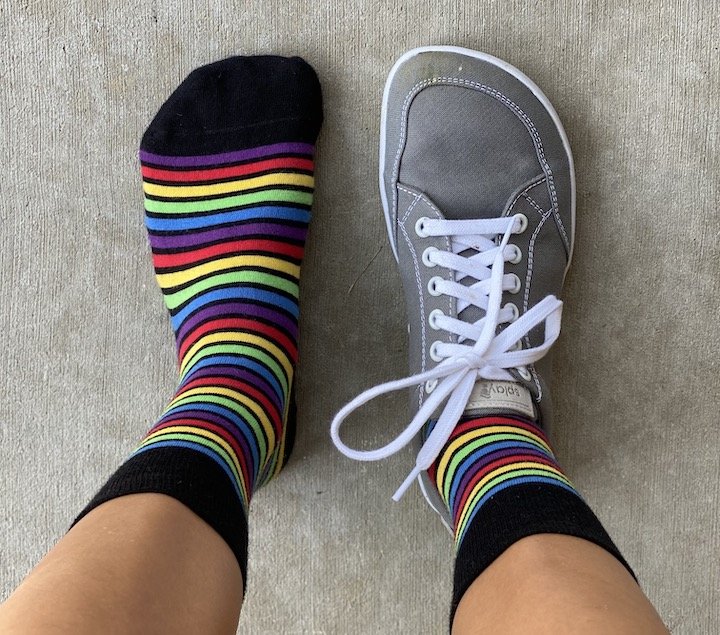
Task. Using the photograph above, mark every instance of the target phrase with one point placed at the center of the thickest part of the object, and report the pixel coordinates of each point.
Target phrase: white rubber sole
(509, 68)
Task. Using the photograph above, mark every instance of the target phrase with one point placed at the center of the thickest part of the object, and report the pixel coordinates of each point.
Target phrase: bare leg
(558, 584)
(142, 563)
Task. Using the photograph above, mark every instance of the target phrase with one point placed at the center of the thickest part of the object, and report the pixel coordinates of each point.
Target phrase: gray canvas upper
(465, 139)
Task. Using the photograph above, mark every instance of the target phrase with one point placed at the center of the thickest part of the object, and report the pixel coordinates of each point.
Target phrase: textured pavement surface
(85, 344)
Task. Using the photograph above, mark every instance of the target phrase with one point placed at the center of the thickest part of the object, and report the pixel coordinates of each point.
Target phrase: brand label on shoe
(503, 395)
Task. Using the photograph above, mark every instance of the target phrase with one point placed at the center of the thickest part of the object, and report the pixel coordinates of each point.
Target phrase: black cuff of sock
(518, 512)
(237, 103)
(190, 477)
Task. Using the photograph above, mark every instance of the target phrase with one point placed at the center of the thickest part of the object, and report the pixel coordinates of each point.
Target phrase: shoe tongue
(496, 397)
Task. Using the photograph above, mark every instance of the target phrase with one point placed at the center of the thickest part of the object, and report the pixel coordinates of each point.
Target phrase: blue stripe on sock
(235, 293)
(178, 222)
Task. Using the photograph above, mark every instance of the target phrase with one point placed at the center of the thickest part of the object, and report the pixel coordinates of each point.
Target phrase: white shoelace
(463, 363)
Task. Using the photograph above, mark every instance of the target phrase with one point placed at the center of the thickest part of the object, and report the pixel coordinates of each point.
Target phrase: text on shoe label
(504, 395)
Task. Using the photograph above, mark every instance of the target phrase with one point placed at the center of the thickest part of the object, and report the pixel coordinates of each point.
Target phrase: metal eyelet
(524, 373)
(516, 284)
(420, 227)
(432, 285)
(433, 317)
(514, 309)
(433, 351)
(523, 223)
(426, 257)
(430, 385)
(517, 255)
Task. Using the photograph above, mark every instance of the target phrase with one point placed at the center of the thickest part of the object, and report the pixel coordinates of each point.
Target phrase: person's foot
(227, 166)
(477, 186)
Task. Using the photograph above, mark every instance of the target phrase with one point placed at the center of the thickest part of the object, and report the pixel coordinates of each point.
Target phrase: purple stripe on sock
(197, 239)
(226, 157)
(236, 309)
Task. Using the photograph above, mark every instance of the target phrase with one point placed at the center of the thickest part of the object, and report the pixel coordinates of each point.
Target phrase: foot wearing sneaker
(477, 185)
(227, 167)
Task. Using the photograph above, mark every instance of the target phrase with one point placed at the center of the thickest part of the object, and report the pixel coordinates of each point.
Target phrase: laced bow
(463, 363)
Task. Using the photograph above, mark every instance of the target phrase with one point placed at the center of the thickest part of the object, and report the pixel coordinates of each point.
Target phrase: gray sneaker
(477, 184)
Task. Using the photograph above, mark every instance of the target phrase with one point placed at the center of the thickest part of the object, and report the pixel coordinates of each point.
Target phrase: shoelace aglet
(400, 492)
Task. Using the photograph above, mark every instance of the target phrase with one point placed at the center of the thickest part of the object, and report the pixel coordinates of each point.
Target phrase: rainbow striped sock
(227, 233)
(227, 168)
(500, 481)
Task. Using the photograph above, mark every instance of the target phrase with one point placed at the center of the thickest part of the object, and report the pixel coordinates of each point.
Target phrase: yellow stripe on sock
(216, 189)
(177, 278)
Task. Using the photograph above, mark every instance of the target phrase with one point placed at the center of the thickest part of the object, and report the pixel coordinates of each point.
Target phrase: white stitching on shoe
(545, 214)
(556, 215)
(528, 276)
(411, 249)
(519, 195)
(534, 205)
(528, 284)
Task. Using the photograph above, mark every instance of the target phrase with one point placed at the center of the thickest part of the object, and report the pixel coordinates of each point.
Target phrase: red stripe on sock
(484, 422)
(212, 174)
(275, 247)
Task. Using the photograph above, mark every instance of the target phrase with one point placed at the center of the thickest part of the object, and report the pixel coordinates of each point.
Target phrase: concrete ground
(85, 344)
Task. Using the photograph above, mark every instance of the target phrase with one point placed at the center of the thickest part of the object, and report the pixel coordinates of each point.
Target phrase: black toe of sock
(239, 102)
